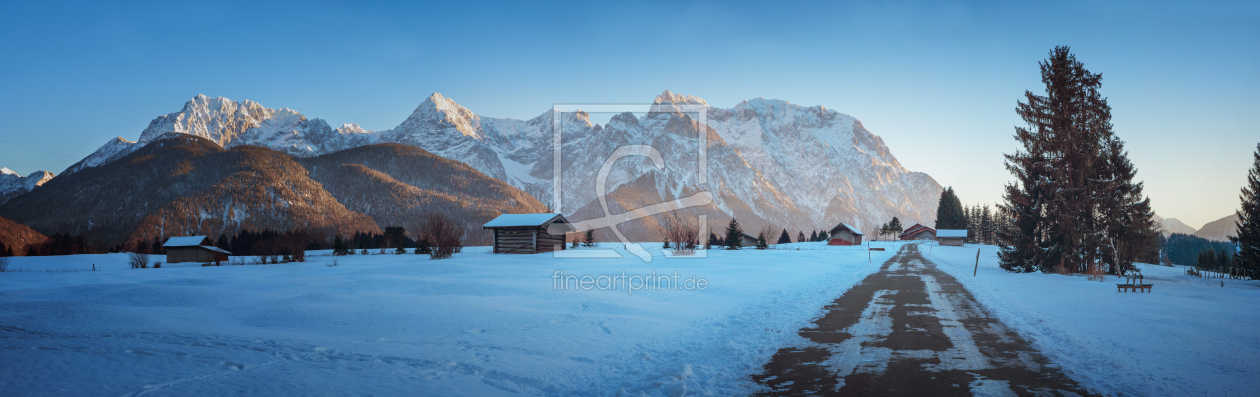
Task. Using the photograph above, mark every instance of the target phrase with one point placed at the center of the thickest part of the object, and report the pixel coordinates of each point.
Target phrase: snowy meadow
(476, 324)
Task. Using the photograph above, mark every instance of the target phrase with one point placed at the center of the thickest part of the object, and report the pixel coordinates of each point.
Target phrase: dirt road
(911, 330)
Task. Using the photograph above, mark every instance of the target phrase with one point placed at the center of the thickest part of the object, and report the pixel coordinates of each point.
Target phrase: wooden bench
(1134, 283)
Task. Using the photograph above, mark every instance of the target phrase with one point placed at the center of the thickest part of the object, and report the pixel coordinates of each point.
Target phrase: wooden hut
(918, 232)
(528, 233)
(749, 240)
(844, 234)
(193, 249)
(952, 236)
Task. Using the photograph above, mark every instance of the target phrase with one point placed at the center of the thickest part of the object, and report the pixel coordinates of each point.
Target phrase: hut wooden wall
(521, 241)
(188, 254)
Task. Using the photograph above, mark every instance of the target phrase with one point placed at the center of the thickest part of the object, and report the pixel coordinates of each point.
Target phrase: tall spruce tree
(1074, 202)
(800, 236)
(761, 241)
(1247, 236)
(734, 235)
(949, 211)
(813, 236)
(784, 238)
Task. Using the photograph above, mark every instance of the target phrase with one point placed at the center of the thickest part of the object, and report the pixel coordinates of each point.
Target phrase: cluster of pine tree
(1074, 203)
(5, 250)
(1184, 249)
(982, 224)
(949, 211)
(60, 244)
(1248, 223)
(1215, 260)
(893, 227)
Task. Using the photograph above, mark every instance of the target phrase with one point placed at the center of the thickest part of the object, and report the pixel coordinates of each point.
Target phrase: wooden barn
(952, 236)
(918, 232)
(193, 249)
(529, 233)
(844, 234)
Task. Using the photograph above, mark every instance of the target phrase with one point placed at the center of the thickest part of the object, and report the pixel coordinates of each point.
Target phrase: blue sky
(937, 80)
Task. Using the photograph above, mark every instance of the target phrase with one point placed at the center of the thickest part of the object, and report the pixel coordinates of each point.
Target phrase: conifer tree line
(1075, 202)
(1247, 236)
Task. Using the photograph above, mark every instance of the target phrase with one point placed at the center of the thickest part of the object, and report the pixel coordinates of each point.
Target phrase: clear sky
(937, 80)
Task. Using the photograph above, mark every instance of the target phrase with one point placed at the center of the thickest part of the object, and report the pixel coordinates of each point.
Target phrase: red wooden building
(918, 232)
(843, 234)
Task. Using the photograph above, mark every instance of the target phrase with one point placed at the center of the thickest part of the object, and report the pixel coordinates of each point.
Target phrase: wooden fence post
(977, 269)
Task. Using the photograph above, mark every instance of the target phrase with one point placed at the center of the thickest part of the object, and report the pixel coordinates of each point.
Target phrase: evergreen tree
(823, 236)
(784, 238)
(800, 236)
(4, 250)
(142, 246)
(734, 235)
(1207, 260)
(576, 241)
(894, 226)
(813, 236)
(949, 211)
(666, 246)
(157, 246)
(761, 241)
(713, 241)
(1074, 201)
(589, 238)
(339, 246)
(223, 242)
(1222, 259)
(424, 247)
(1248, 223)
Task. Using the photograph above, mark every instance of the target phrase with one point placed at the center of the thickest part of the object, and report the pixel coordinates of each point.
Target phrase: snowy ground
(1189, 336)
(477, 324)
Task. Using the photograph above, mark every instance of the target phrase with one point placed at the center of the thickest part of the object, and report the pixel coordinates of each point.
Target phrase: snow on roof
(186, 241)
(951, 233)
(848, 226)
(519, 220)
(216, 249)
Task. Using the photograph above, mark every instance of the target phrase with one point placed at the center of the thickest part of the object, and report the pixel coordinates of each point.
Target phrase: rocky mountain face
(13, 185)
(1220, 229)
(183, 185)
(769, 163)
(399, 185)
(1169, 226)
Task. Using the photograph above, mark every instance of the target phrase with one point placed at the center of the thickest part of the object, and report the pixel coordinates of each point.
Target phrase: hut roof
(186, 241)
(847, 226)
(915, 229)
(951, 233)
(527, 220)
(216, 249)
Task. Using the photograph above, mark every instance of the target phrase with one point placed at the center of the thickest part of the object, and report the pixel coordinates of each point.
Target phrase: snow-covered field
(1189, 336)
(477, 324)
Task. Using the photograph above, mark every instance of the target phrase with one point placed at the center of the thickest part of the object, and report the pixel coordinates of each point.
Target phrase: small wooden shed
(952, 236)
(193, 249)
(918, 232)
(529, 233)
(844, 234)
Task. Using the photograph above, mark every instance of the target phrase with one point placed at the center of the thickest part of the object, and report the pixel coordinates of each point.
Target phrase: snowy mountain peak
(444, 110)
(669, 97)
(12, 184)
(7, 171)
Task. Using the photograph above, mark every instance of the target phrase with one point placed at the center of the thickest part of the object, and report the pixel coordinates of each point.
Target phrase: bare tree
(138, 260)
(682, 234)
(444, 234)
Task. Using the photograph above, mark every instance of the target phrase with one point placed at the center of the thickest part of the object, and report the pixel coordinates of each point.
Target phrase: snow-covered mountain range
(770, 163)
(12, 184)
